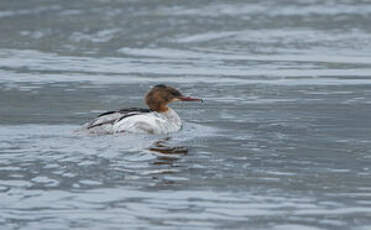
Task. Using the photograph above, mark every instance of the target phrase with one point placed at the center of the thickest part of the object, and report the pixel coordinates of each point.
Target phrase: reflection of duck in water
(158, 119)
(162, 146)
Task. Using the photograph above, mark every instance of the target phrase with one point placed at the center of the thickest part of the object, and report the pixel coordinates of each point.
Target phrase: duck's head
(160, 96)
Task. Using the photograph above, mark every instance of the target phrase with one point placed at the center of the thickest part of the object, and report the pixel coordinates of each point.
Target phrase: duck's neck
(160, 108)
(172, 117)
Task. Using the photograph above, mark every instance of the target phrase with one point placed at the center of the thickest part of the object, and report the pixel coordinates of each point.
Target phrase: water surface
(281, 142)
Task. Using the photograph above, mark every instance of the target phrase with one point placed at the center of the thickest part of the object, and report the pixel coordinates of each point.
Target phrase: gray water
(282, 141)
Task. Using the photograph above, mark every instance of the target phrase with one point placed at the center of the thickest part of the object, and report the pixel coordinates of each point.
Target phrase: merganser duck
(158, 119)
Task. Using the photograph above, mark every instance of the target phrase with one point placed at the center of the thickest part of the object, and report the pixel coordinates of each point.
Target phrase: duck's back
(105, 122)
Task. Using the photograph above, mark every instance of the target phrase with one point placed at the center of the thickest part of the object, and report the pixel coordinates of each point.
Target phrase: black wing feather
(121, 114)
(126, 110)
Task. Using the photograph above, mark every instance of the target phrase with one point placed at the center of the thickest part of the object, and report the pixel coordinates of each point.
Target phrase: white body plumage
(153, 123)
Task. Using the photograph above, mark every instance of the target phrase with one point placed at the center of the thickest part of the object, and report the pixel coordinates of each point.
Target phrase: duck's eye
(176, 93)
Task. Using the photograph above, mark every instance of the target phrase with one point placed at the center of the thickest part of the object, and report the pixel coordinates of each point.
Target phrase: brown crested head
(161, 95)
